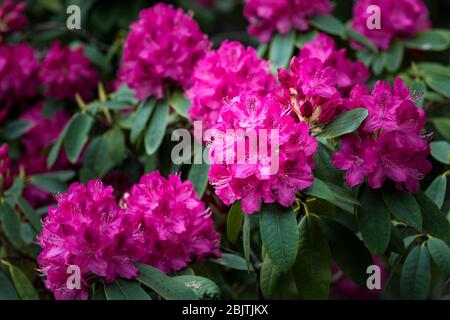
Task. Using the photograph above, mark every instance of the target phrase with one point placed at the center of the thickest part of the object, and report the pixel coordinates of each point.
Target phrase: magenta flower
(175, 224)
(399, 19)
(348, 73)
(390, 143)
(89, 230)
(12, 17)
(269, 16)
(19, 79)
(162, 48)
(5, 164)
(273, 174)
(36, 141)
(66, 72)
(222, 75)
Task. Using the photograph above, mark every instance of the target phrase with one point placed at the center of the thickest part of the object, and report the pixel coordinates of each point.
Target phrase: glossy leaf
(416, 275)
(403, 205)
(281, 49)
(437, 189)
(234, 221)
(77, 135)
(346, 122)
(156, 127)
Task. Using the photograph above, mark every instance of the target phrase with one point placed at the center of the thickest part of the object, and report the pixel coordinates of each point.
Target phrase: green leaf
(269, 278)
(378, 65)
(27, 233)
(54, 152)
(416, 275)
(443, 126)
(7, 290)
(440, 253)
(437, 189)
(433, 69)
(329, 24)
(362, 40)
(15, 129)
(419, 90)
(281, 49)
(232, 261)
(30, 213)
(125, 94)
(202, 287)
(115, 142)
(312, 269)
(23, 285)
(440, 150)
(140, 118)
(163, 285)
(433, 220)
(246, 239)
(403, 205)
(16, 189)
(346, 122)
(123, 289)
(11, 224)
(77, 135)
(439, 84)
(234, 221)
(52, 182)
(156, 127)
(99, 292)
(348, 251)
(393, 57)
(198, 175)
(428, 40)
(180, 103)
(374, 221)
(262, 49)
(96, 159)
(279, 234)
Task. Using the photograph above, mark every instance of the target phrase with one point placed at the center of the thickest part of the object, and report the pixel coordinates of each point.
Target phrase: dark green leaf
(113, 292)
(115, 142)
(348, 251)
(346, 122)
(11, 224)
(439, 84)
(279, 234)
(234, 221)
(54, 152)
(7, 291)
(419, 90)
(362, 40)
(16, 189)
(281, 49)
(163, 285)
(30, 213)
(329, 24)
(440, 253)
(180, 103)
(269, 278)
(52, 182)
(27, 233)
(393, 57)
(140, 118)
(433, 220)
(246, 238)
(443, 126)
(428, 40)
(23, 285)
(198, 175)
(440, 150)
(232, 261)
(378, 65)
(312, 269)
(416, 275)
(403, 205)
(374, 221)
(156, 127)
(15, 129)
(96, 160)
(132, 290)
(77, 135)
(437, 189)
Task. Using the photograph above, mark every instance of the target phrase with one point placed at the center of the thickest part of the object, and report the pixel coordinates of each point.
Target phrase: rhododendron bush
(250, 149)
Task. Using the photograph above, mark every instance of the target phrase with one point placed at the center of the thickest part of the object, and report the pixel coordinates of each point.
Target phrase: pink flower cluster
(12, 17)
(389, 143)
(162, 48)
(162, 223)
(89, 230)
(221, 75)
(175, 223)
(66, 72)
(19, 75)
(5, 163)
(255, 179)
(399, 19)
(41, 133)
(348, 73)
(269, 16)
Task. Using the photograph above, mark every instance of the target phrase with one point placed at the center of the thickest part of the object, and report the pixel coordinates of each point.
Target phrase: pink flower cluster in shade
(399, 19)
(5, 166)
(175, 224)
(162, 49)
(251, 181)
(161, 222)
(42, 132)
(66, 72)
(389, 143)
(12, 17)
(269, 16)
(223, 74)
(19, 75)
(348, 73)
(87, 229)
